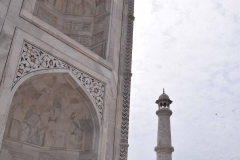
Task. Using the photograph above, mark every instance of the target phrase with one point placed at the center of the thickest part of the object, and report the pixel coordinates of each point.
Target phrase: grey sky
(192, 49)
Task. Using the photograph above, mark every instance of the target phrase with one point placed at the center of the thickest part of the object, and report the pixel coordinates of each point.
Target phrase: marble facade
(65, 68)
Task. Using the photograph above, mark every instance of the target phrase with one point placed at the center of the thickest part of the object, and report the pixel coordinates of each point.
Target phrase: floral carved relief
(33, 59)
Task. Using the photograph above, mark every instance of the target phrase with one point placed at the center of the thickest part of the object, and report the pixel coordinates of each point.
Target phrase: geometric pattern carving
(82, 39)
(127, 83)
(123, 152)
(73, 7)
(33, 59)
(72, 26)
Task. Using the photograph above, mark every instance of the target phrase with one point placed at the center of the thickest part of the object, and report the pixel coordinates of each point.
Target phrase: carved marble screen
(48, 111)
(85, 21)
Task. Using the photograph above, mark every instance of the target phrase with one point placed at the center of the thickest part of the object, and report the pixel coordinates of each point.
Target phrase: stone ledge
(125, 145)
(131, 17)
(164, 149)
(128, 74)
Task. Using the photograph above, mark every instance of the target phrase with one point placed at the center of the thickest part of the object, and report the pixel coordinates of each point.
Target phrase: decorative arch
(33, 59)
(51, 110)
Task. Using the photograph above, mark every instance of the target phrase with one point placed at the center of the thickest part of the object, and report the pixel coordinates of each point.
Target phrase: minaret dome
(164, 101)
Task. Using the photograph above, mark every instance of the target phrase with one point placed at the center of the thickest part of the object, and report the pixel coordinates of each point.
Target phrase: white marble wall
(19, 25)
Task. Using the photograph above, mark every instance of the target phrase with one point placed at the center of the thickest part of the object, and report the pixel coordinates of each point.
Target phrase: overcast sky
(192, 49)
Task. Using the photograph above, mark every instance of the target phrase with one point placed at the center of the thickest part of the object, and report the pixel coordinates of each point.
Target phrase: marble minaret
(164, 147)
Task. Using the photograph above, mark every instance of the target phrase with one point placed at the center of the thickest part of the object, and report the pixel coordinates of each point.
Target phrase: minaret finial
(163, 90)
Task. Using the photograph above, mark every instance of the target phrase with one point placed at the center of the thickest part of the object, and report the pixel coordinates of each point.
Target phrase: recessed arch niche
(85, 21)
(52, 112)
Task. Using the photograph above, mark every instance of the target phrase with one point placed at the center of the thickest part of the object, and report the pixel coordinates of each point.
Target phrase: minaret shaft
(164, 131)
(164, 146)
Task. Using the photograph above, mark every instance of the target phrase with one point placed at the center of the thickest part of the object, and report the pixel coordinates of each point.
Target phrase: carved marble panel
(47, 17)
(14, 129)
(74, 7)
(75, 37)
(98, 37)
(82, 39)
(100, 6)
(61, 5)
(54, 115)
(19, 156)
(85, 40)
(99, 49)
(52, 2)
(67, 25)
(77, 26)
(100, 24)
(86, 27)
(49, 156)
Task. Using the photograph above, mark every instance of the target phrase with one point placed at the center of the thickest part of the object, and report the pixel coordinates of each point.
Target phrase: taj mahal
(65, 80)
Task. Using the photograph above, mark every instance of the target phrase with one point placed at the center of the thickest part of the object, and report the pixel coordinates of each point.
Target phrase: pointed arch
(75, 96)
